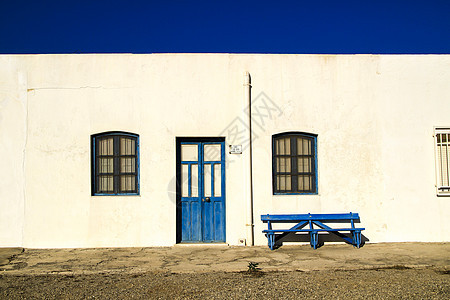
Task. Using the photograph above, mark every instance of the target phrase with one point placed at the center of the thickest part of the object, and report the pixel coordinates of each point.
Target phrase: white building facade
(123, 150)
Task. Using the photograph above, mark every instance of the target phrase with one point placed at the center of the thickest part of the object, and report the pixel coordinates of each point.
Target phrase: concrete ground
(214, 258)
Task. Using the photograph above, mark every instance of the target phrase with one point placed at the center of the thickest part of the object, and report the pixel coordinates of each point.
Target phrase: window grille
(115, 163)
(294, 163)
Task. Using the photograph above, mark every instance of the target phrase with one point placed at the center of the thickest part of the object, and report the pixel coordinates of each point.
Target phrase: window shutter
(442, 136)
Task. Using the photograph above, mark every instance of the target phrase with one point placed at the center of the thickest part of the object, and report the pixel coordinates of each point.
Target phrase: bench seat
(309, 230)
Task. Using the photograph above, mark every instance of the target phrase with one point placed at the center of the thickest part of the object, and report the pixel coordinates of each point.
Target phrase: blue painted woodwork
(203, 218)
(316, 225)
(295, 134)
(95, 167)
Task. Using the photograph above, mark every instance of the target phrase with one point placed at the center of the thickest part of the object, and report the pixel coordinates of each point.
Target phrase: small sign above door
(235, 149)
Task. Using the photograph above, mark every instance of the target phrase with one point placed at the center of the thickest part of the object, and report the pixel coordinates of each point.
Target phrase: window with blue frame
(294, 163)
(115, 163)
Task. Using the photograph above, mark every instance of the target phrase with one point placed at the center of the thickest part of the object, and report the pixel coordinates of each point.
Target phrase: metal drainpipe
(248, 98)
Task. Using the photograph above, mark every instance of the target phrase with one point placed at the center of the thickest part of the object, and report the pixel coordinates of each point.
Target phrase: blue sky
(376, 27)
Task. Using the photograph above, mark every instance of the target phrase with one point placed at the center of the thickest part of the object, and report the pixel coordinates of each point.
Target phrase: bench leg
(358, 238)
(271, 240)
(354, 238)
(356, 235)
(314, 239)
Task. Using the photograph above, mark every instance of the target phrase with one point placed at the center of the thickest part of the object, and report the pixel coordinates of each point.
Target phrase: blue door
(201, 191)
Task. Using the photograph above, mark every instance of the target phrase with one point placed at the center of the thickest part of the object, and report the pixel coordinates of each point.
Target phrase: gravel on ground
(383, 283)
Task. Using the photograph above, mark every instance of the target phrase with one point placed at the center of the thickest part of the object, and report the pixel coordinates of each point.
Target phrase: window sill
(280, 194)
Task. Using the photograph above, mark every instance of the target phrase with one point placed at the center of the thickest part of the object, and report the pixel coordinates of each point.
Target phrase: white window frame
(442, 167)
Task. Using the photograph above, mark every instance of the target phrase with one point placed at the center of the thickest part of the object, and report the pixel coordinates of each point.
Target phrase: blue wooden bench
(316, 225)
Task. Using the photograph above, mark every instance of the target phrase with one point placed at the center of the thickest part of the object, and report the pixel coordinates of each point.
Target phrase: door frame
(178, 141)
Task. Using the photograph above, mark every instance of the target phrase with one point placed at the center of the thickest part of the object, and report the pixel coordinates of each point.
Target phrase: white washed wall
(374, 116)
(13, 140)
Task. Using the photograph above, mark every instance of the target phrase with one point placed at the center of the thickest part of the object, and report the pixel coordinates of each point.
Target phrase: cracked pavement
(214, 258)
